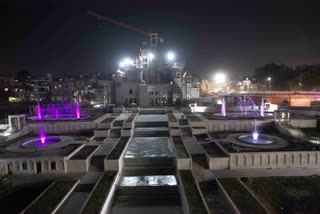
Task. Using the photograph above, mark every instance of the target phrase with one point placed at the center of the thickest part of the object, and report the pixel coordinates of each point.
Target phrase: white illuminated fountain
(244, 104)
(257, 140)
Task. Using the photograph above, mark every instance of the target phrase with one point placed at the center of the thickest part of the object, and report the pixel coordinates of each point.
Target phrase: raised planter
(195, 200)
(54, 196)
(114, 161)
(100, 193)
(240, 197)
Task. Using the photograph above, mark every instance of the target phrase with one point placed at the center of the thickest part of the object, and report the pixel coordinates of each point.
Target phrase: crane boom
(115, 22)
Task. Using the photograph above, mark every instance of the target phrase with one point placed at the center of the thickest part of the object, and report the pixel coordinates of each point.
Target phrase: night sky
(235, 36)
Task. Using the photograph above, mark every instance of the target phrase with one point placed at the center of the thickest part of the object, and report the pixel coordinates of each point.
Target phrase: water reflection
(152, 180)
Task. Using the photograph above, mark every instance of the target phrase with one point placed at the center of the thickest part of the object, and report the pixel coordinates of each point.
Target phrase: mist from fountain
(255, 133)
(78, 114)
(223, 107)
(262, 108)
(42, 135)
(59, 111)
(244, 103)
(39, 111)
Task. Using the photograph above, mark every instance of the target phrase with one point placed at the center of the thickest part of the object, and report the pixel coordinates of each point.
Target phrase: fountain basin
(35, 143)
(31, 144)
(60, 117)
(243, 115)
(264, 141)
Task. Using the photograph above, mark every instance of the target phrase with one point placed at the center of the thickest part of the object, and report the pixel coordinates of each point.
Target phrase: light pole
(269, 81)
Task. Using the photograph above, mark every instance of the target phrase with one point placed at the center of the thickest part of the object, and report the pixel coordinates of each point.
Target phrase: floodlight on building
(128, 61)
(269, 79)
(220, 78)
(150, 56)
(171, 56)
(121, 64)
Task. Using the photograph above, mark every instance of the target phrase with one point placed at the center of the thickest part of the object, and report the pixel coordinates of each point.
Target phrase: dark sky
(235, 36)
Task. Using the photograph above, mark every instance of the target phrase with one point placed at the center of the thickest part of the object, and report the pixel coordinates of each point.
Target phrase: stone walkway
(102, 118)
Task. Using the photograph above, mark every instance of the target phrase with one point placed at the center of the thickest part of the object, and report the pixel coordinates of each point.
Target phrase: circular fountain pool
(263, 141)
(31, 144)
(243, 115)
(36, 143)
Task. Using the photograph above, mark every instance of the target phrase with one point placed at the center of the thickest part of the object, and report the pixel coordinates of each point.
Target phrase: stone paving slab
(90, 178)
(102, 118)
(106, 146)
(151, 209)
(192, 145)
(152, 118)
(74, 204)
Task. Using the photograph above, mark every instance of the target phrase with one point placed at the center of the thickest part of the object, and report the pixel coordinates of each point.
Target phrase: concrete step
(146, 201)
(149, 162)
(151, 132)
(139, 171)
(151, 124)
(152, 111)
(147, 190)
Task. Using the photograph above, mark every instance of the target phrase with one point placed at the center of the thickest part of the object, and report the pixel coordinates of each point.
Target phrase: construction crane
(154, 37)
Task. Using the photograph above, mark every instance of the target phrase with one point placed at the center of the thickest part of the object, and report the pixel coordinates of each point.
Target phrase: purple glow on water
(39, 111)
(58, 111)
(78, 110)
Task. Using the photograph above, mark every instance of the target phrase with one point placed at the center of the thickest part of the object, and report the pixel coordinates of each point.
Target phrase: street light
(269, 80)
(171, 56)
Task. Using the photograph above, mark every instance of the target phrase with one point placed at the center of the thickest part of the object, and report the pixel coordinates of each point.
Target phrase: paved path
(192, 145)
(80, 196)
(102, 118)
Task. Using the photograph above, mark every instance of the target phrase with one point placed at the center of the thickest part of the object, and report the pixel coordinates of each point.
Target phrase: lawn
(47, 202)
(100, 193)
(84, 153)
(288, 194)
(240, 196)
(21, 196)
(193, 196)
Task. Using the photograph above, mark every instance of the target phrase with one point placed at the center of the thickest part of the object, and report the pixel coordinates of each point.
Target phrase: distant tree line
(305, 77)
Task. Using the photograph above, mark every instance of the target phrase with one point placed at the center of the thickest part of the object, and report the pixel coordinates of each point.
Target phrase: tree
(280, 75)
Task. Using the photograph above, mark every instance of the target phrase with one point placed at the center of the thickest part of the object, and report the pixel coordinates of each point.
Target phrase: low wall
(274, 159)
(218, 162)
(183, 163)
(232, 125)
(63, 127)
(100, 133)
(33, 165)
(303, 123)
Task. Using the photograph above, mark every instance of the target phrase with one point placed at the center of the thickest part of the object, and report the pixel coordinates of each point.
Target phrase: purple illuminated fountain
(39, 111)
(255, 134)
(262, 108)
(78, 114)
(59, 111)
(223, 107)
(42, 135)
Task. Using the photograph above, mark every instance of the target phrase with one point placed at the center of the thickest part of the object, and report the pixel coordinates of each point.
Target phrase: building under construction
(152, 78)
